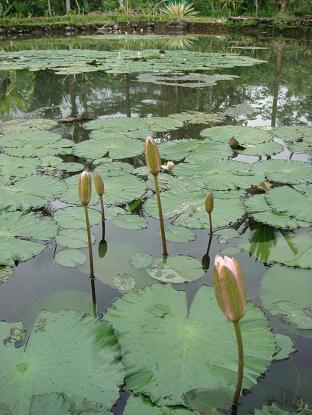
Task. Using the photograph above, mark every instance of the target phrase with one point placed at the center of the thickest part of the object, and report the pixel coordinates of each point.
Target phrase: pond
(234, 114)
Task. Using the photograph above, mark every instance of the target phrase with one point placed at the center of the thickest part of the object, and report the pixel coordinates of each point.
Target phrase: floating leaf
(124, 282)
(291, 202)
(32, 124)
(274, 409)
(176, 269)
(225, 235)
(137, 405)
(70, 258)
(73, 238)
(244, 135)
(179, 234)
(31, 192)
(159, 317)
(285, 171)
(134, 222)
(74, 217)
(16, 225)
(280, 298)
(108, 168)
(285, 346)
(141, 260)
(59, 344)
(12, 167)
(5, 273)
(179, 149)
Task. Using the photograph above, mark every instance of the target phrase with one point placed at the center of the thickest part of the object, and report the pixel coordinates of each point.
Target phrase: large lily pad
(73, 238)
(33, 124)
(125, 61)
(259, 209)
(13, 167)
(201, 343)
(137, 405)
(30, 192)
(285, 171)
(74, 217)
(49, 361)
(176, 269)
(16, 229)
(274, 409)
(70, 258)
(291, 202)
(280, 298)
(244, 135)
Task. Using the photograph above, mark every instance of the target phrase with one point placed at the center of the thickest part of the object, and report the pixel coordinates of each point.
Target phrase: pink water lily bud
(229, 287)
(152, 156)
(84, 188)
(209, 202)
(98, 183)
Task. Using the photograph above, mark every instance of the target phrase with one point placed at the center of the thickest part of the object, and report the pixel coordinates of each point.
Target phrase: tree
(67, 6)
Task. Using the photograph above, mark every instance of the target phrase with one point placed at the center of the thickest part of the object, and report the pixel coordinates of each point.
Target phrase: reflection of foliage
(16, 92)
(179, 42)
(262, 240)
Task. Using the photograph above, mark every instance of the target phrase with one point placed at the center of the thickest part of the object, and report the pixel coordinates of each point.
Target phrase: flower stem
(89, 242)
(161, 219)
(210, 224)
(240, 362)
(93, 295)
(102, 208)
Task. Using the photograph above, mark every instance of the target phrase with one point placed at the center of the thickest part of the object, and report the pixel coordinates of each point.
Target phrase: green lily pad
(176, 269)
(73, 238)
(261, 211)
(124, 282)
(197, 117)
(159, 317)
(225, 235)
(32, 124)
(285, 171)
(108, 167)
(13, 167)
(294, 133)
(113, 146)
(274, 409)
(291, 202)
(134, 222)
(263, 149)
(137, 405)
(179, 234)
(70, 258)
(48, 362)
(71, 196)
(239, 110)
(285, 346)
(30, 192)
(280, 298)
(141, 260)
(16, 229)
(74, 217)
(35, 144)
(244, 135)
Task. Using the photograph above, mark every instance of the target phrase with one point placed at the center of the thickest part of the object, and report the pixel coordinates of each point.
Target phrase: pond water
(262, 215)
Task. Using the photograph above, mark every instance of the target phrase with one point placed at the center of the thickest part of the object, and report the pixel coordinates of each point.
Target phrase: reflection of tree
(262, 240)
(279, 54)
(16, 92)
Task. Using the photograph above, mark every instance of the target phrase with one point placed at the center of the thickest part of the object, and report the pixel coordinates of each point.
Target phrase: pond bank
(301, 26)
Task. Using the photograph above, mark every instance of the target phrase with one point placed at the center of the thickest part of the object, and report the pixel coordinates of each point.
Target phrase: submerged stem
(210, 224)
(161, 219)
(240, 362)
(89, 242)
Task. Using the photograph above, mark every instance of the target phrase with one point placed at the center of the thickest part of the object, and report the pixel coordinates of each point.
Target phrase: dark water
(281, 92)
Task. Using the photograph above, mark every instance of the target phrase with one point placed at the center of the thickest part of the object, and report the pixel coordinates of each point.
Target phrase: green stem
(161, 219)
(89, 242)
(240, 362)
(93, 295)
(210, 224)
(102, 208)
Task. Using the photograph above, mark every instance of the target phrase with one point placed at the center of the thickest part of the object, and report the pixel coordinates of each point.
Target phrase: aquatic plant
(84, 192)
(99, 188)
(179, 10)
(209, 209)
(231, 296)
(153, 163)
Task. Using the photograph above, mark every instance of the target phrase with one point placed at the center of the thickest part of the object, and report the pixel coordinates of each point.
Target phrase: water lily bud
(98, 183)
(209, 202)
(152, 156)
(229, 287)
(84, 188)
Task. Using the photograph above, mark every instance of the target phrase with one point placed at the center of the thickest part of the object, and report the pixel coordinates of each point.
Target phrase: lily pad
(261, 211)
(179, 234)
(73, 238)
(244, 135)
(108, 168)
(274, 409)
(13, 167)
(176, 269)
(159, 317)
(294, 134)
(5, 273)
(32, 124)
(30, 192)
(280, 298)
(74, 217)
(137, 405)
(124, 282)
(225, 235)
(285, 171)
(141, 260)
(285, 346)
(49, 360)
(16, 229)
(134, 222)
(70, 258)
(291, 202)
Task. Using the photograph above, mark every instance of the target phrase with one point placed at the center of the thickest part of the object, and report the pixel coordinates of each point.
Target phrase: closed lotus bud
(98, 183)
(209, 202)
(229, 287)
(152, 156)
(84, 188)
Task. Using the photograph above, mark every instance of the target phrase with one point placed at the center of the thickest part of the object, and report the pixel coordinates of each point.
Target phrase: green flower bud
(152, 156)
(84, 188)
(209, 202)
(98, 183)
